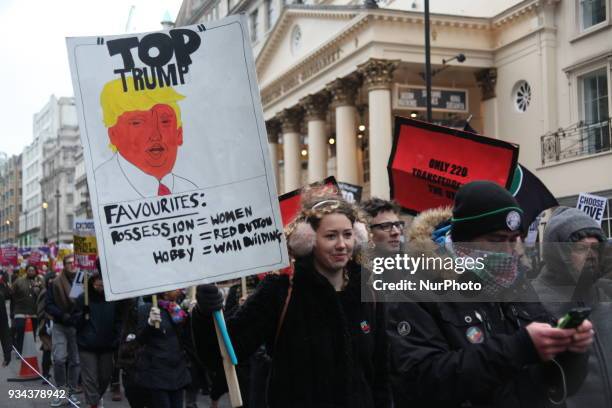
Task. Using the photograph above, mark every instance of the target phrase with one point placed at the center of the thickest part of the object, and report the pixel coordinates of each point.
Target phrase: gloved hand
(209, 299)
(154, 316)
(188, 304)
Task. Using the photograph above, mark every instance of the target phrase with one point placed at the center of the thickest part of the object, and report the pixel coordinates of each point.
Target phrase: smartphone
(574, 318)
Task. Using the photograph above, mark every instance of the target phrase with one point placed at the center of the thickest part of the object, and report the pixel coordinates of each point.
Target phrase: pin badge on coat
(403, 328)
(474, 335)
(513, 220)
(365, 326)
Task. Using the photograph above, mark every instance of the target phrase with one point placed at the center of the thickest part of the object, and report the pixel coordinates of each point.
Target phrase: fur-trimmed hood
(420, 238)
(423, 226)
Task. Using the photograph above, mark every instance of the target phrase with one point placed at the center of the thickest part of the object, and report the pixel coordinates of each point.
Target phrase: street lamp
(45, 205)
(25, 213)
(427, 63)
(57, 198)
(8, 229)
(459, 57)
(429, 73)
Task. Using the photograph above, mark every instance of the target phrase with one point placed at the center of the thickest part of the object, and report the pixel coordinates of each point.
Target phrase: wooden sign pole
(86, 291)
(154, 304)
(228, 365)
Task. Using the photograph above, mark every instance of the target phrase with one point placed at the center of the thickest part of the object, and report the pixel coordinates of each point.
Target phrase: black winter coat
(100, 331)
(596, 392)
(331, 351)
(5, 334)
(474, 355)
(161, 363)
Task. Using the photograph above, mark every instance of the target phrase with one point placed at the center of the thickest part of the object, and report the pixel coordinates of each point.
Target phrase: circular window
(296, 39)
(522, 95)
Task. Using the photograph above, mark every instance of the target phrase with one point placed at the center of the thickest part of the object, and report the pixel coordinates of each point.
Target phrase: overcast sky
(34, 62)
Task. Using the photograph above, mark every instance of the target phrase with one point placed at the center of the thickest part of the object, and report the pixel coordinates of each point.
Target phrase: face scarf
(500, 272)
(176, 313)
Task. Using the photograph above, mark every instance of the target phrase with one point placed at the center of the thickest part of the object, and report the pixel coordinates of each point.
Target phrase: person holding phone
(496, 354)
(572, 277)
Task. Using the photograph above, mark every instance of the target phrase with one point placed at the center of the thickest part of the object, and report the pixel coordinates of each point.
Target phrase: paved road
(12, 370)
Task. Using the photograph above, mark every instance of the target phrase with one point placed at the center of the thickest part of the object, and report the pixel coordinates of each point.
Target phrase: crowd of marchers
(306, 337)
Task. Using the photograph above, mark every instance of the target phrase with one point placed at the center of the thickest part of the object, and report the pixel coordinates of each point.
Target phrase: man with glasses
(386, 227)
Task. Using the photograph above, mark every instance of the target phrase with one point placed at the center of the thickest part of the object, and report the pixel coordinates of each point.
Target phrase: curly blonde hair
(318, 202)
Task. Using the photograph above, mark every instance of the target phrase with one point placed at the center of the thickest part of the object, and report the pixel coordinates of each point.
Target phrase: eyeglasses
(387, 226)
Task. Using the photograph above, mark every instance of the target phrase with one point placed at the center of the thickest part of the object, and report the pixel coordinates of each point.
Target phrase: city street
(12, 370)
(370, 203)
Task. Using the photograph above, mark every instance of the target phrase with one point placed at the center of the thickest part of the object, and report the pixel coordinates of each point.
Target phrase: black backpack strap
(283, 312)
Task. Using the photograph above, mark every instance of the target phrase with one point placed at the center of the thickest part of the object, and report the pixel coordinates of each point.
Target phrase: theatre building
(333, 74)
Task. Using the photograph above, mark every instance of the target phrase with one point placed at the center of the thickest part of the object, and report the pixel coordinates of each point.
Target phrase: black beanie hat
(482, 207)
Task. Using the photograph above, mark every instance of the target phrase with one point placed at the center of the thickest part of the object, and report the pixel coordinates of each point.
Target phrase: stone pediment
(298, 33)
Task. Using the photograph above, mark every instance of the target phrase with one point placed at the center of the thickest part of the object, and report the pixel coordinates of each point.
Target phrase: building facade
(56, 117)
(333, 74)
(82, 202)
(58, 185)
(10, 199)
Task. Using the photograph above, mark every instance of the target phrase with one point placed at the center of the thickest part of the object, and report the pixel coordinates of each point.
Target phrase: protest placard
(85, 246)
(429, 163)
(593, 205)
(35, 258)
(175, 147)
(63, 250)
(9, 255)
(350, 192)
(78, 284)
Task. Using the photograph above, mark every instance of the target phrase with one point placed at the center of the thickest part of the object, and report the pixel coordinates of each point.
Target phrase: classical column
(486, 79)
(290, 124)
(548, 58)
(273, 129)
(343, 92)
(315, 108)
(378, 77)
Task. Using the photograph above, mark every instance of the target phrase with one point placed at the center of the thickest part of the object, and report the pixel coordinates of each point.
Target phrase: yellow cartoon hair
(115, 101)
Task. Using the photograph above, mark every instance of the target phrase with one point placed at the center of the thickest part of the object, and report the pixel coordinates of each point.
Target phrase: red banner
(429, 163)
(35, 258)
(10, 255)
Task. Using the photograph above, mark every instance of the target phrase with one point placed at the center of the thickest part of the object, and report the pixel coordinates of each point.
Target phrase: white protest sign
(594, 206)
(85, 248)
(175, 145)
(77, 284)
(532, 233)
